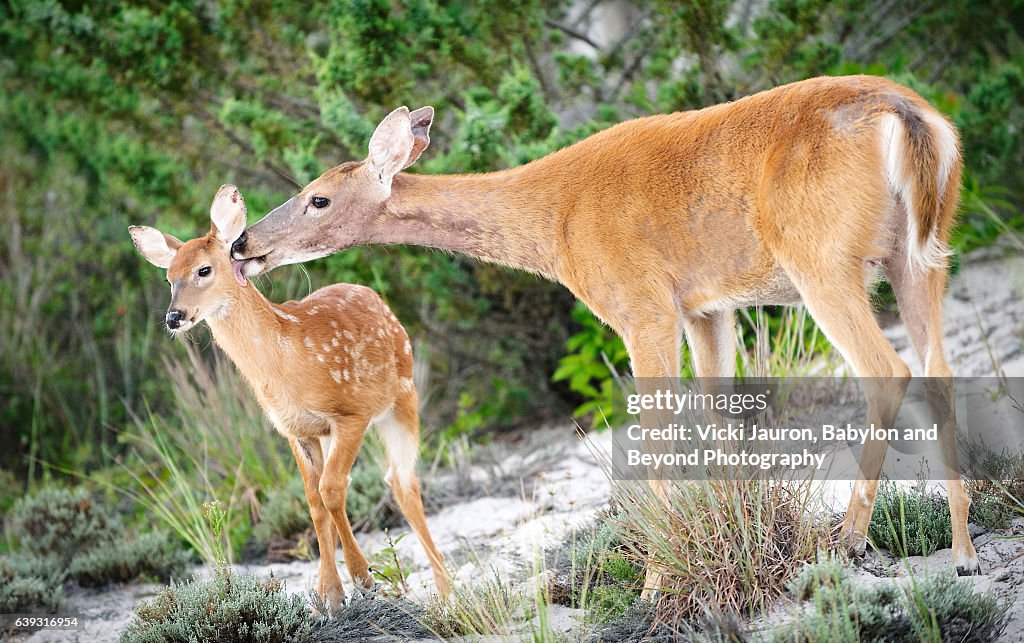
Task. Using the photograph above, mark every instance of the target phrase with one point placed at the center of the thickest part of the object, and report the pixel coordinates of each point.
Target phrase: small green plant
(216, 518)
(910, 521)
(228, 608)
(387, 567)
(937, 608)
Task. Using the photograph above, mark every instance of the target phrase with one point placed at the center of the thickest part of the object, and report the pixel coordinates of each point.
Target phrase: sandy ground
(984, 320)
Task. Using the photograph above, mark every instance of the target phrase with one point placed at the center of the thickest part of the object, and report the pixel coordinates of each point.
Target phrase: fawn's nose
(238, 245)
(174, 318)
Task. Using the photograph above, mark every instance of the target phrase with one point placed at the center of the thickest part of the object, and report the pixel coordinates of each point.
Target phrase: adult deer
(665, 225)
(323, 369)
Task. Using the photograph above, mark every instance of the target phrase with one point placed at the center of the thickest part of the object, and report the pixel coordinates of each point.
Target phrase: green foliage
(937, 608)
(135, 112)
(596, 356)
(910, 522)
(152, 556)
(228, 607)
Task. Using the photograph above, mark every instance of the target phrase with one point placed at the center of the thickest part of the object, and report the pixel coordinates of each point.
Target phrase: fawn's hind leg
(309, 456)
(400, 432)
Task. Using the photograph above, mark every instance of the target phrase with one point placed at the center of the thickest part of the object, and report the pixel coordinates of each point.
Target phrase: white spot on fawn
(285, 316)
(346, 374)
(308, 342)
(337, 376)
(349, 336)
(320, 357)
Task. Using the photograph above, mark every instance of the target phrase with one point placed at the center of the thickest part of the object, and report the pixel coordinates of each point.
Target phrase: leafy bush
(937, 608)
(226, 608)
(61, 523)
(910, 522)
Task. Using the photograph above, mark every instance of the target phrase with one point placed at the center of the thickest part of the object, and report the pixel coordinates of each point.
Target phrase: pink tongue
(239, 277)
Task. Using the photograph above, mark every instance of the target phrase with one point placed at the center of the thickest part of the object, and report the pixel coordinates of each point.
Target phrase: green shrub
(30, 584)
(72, 530)
(937, 608)
(284, 514)
(226, 608)
(910, 522)
(61, 523)
(153, 555)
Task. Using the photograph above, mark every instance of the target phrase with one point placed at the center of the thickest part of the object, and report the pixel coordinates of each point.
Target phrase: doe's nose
(174, 318)
(239, 244)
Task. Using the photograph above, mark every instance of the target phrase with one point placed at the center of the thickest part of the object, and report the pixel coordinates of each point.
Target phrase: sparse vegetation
(484, 608)
(726, 543)
(842, 610)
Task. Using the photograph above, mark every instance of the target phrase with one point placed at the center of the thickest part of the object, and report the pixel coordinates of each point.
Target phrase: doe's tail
(921, 151)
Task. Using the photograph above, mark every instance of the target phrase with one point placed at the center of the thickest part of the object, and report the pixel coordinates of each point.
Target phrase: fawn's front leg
(347, 438)
(310, 457)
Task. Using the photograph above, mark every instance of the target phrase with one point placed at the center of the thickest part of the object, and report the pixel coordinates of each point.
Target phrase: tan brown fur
(665, 225)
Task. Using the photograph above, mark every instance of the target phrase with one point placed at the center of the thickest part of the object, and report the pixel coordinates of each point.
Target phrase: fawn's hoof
(970, 567)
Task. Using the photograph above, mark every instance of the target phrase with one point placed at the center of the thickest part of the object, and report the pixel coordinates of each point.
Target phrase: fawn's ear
(391, 145)
(228, 214)
(158, 248)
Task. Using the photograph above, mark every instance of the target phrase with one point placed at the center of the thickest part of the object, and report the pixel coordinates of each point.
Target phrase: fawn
(665, 225)
(323, 369)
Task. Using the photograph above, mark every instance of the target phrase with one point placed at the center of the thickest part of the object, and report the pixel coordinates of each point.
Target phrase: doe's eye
(320, 202)
(204, 271)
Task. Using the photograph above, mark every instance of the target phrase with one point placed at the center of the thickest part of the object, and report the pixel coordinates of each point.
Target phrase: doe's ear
(391, 144)
(228, 214)
(157, 247)
(420, 121)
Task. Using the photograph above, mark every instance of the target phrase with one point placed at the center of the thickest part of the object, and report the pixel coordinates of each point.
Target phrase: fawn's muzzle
(174, 318)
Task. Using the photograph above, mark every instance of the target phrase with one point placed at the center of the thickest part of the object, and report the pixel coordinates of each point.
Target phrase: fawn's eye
(204, 271)
(320, 202)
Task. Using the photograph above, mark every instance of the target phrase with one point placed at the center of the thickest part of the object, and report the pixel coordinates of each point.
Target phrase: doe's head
(343, 206)
(204, 280)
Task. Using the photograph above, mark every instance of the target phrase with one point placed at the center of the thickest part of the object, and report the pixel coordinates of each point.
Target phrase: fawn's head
(334, 211)
(204, 280)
